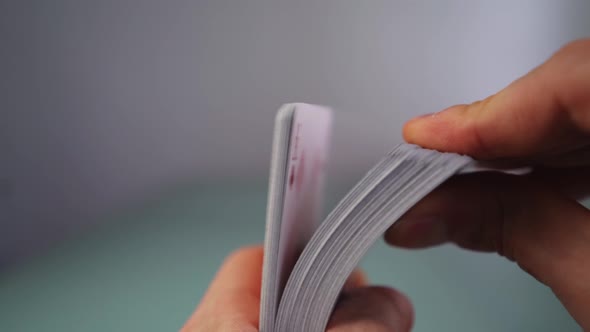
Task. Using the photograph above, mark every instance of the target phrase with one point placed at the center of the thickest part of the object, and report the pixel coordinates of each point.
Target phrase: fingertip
(232, 300)
(448, 130)
(402, 303)
(375, 308)
(252, 253)
(239, 277)
(356, 279)
(412, 129)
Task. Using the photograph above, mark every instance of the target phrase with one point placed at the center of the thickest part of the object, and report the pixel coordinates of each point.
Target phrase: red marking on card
(296, 145)
(301, 171)
(317, 167)
(292, 177)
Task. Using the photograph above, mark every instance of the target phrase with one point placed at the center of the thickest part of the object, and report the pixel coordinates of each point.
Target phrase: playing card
(300, 150)
(391, 188)
(306, 264)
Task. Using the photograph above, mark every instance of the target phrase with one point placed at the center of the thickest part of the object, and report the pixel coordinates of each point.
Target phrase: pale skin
(540, 120)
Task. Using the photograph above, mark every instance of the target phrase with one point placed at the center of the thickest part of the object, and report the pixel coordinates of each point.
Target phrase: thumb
(546, 112)
(547, 234)
(375, 309)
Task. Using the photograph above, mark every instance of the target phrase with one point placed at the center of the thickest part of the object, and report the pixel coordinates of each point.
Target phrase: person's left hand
(232, 302)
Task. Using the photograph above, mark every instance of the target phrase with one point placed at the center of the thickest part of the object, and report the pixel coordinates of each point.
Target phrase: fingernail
(431, 115)
(418, 232)
(427, 115)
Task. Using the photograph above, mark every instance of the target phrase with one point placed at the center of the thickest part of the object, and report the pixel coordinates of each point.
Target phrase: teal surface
(146, 271)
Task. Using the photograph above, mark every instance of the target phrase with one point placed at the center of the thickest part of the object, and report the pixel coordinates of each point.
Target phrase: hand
(233, 299)
(542, 120)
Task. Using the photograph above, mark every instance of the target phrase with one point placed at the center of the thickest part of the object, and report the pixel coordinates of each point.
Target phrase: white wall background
(104, 103)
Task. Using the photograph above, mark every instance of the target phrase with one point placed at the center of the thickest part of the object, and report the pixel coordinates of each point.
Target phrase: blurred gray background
(125, 125)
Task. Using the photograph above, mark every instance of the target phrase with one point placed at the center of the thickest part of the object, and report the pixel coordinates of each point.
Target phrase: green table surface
(146, 270)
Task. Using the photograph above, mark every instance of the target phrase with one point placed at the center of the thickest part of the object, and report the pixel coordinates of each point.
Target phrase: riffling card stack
(306, 263)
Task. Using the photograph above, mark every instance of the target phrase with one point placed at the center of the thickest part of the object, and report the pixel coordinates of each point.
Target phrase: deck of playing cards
(306, 263)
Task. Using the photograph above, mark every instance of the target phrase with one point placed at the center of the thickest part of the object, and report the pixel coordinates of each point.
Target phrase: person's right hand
(541, 120)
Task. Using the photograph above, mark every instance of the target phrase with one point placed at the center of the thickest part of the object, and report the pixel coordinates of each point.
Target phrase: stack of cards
(299, 152)
(306, 264)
